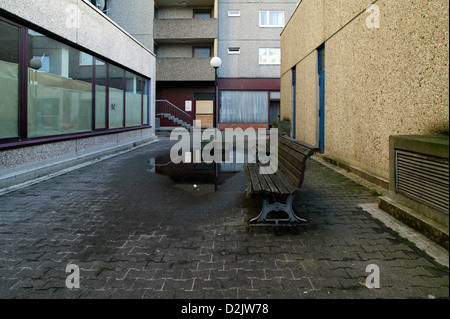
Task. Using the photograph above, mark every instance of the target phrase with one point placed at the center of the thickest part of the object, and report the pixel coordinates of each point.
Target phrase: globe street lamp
(216, 62)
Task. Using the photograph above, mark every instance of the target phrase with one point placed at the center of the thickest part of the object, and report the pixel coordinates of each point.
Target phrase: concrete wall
(174, 13)
(94, 30)
(184, 69)
(378, 81)
(244, 32)
(136, 17)
(187, 29)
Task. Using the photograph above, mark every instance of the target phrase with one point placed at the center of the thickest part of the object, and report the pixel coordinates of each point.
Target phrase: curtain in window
(276, 18)
(244, 107)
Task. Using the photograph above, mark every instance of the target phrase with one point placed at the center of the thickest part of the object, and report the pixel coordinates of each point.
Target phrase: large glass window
(271, 19)
(116, 96)
(51, 89)
(59, 88)
(9, 80)
(244, 106)
(133, 101)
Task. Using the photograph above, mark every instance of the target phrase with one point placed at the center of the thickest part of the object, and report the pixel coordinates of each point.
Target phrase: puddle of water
(199, 178)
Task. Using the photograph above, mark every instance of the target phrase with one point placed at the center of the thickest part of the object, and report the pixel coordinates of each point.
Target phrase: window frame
(234, 52)
(268, 25)
(267, 52)
(234, 13)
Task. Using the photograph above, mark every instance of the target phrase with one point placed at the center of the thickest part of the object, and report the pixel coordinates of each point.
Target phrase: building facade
(353, 75)
(69, 93)
(249, 46)
(185, 34)
(368, 84)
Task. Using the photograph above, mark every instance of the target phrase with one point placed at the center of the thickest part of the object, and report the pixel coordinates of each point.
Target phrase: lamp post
(216, 62)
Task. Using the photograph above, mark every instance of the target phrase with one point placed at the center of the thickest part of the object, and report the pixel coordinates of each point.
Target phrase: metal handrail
(166, 107)
(174, 107)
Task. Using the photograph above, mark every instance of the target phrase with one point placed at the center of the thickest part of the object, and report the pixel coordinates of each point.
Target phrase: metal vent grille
(423, 178)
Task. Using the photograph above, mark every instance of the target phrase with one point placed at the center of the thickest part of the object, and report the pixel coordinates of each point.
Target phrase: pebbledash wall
(384, 70)
(91, 94)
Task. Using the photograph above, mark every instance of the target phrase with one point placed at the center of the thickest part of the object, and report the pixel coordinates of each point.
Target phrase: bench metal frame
(277, 203)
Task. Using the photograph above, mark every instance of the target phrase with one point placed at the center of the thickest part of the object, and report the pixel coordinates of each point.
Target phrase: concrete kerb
(36, 173)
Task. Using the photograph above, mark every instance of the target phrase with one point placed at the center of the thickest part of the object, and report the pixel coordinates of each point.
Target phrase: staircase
(170, 111)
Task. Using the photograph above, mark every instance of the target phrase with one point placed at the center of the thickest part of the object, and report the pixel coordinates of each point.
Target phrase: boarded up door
(204, 111)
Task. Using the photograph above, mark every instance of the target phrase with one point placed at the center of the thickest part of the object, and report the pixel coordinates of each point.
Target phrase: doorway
(204, 112)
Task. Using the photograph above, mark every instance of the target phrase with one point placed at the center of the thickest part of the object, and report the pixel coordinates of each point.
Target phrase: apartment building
(74, 87)
(245, 35)
(249, 46)
(185, 34)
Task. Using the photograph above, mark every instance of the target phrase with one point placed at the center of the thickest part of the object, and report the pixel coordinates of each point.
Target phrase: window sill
(17, 143)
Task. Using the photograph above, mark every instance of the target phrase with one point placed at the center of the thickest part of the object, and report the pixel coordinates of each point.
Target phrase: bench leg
(277, 206)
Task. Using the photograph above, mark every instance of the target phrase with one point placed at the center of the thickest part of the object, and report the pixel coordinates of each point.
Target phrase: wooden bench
(278, 190)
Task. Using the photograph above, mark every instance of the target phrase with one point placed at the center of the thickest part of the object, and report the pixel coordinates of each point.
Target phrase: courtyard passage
(136, 229)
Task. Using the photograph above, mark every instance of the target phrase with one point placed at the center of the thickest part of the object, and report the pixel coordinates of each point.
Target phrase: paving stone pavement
(134, 235)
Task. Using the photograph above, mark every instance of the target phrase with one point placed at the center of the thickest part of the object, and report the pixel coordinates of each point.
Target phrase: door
(321, 67)
(204, 111)
(274, 112)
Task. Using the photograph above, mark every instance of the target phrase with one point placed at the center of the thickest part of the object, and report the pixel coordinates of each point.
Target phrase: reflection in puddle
(198, 178)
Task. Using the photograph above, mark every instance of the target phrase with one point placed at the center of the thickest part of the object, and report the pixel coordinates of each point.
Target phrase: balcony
(178, 30)
(184, 69)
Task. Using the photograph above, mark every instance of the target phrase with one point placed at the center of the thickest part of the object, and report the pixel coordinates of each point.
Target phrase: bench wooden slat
(257, 188)
(291, 143)
(264, 185)
(281, 185)
(273, 188)
(291, 187)
(291, 171)
(297, 159)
